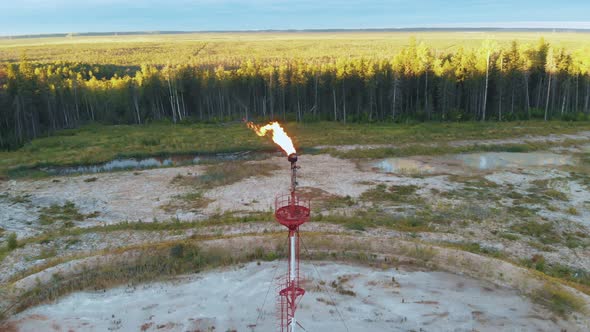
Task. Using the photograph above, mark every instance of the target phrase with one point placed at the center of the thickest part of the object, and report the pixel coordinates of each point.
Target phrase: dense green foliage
(417, 83)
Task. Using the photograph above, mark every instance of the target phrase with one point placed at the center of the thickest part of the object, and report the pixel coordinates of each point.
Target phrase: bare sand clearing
(332, 175)
(230, 299)
(112, 197)
(132, 196)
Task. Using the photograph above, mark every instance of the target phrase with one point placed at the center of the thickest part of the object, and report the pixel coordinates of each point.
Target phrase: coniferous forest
(418, 83)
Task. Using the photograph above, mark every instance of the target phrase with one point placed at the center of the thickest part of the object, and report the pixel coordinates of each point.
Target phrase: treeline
(416, 84)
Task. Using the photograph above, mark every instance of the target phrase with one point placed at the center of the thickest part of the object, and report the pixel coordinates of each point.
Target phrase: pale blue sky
(60, 16)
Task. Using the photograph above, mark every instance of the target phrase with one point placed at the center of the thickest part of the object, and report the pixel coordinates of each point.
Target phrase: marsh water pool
(120, 164)
(473, 161)
(497, 160)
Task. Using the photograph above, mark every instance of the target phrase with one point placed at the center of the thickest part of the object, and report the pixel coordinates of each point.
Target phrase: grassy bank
(134, 265)
(361, 221)
(440, 149)
(96, 143)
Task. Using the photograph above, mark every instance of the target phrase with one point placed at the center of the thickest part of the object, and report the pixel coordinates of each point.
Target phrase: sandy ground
(578, 194)
(333, 175)
(235, 299)
(116, 197)
(132, 196)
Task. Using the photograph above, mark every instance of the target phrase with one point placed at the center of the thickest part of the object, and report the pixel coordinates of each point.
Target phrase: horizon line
(390, 29)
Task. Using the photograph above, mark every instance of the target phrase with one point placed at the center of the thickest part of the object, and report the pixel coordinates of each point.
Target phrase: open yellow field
(218, 46)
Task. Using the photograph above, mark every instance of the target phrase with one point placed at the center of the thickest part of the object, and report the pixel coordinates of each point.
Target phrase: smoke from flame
(279, 135)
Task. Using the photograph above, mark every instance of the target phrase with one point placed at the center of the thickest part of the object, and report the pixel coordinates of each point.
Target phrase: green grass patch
(65, 214)
(509, 236)
(544, 231)
(47, 253)
(573, 211)
(476, 248)
(475, 189)
(552, 208)
(471, 181)
(20, 199)
(155, 225)
(323, 200)
(226, 173)
(576, 240)
(417, 149)
(568, 273)
(537, 262)
(365, 219)
(556, 194)
(423, 254)
(12, 242)
(355, 225)
(97, 143)
(521, 210)
(558, 300)
(547, 189)
(72, 242)
(402, 194)
(335, 201)
(192, 201)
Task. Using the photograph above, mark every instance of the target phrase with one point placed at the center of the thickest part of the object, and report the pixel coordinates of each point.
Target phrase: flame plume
(279, 135)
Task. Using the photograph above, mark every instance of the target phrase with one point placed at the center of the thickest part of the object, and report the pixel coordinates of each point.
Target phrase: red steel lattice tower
(291, 211)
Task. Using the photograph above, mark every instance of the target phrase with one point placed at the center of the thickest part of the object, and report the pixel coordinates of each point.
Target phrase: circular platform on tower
(291, 210)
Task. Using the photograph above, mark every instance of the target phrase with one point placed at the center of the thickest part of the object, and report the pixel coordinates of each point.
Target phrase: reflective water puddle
(495, 160)
(478, 161)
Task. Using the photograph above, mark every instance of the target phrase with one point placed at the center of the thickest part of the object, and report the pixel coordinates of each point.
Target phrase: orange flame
(279, 135)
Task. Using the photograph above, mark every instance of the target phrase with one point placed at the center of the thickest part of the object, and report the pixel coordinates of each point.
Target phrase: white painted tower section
(292, 258)
(292, 275)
